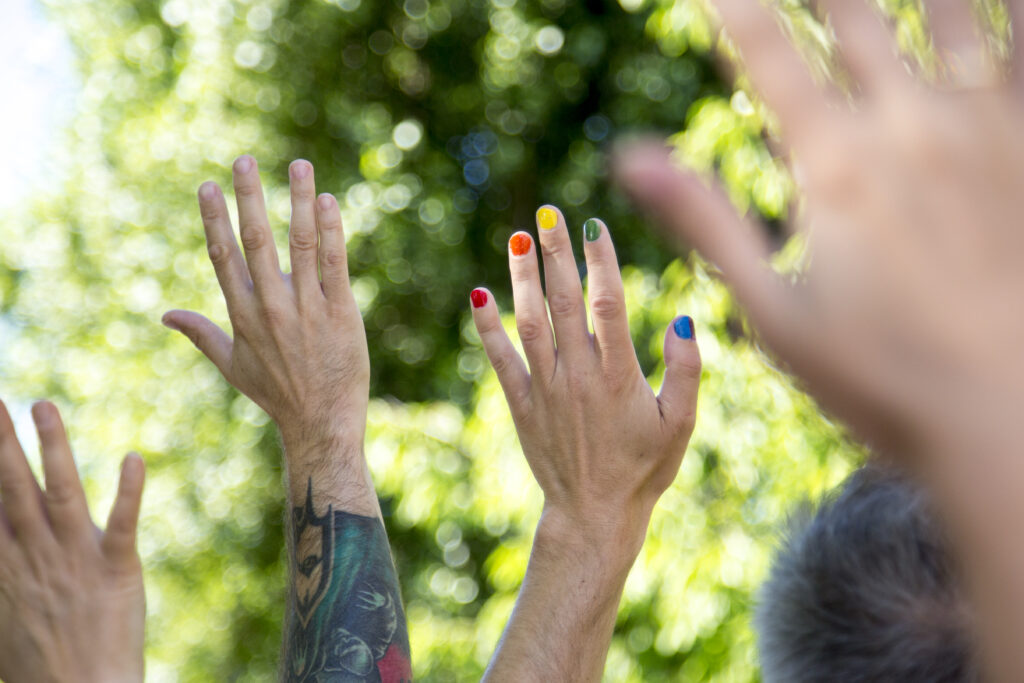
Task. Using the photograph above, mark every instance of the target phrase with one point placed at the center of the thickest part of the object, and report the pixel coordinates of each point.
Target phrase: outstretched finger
(562, 284)
(254, 230)
(302, 233)
(507, 364)
(607, 297)
(704, 218)
(775, 67)
(205, 334)
(333, 253)
(867, 46)
(957, 41)
(119, 538)
(531, 314)
(1016, 8)
(678, 397)
(222, 248)
(65, 498)
(22, 497)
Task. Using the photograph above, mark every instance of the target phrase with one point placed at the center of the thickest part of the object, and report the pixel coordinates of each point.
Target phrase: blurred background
(440, 125)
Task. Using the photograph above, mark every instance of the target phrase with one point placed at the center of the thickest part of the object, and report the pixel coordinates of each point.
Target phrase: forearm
(563, 620)
(345, 613)
(973, 463)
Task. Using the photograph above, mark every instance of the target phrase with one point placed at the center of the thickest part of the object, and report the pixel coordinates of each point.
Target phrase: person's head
(864, 589)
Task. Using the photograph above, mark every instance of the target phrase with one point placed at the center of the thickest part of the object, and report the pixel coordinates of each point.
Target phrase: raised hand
(912, 218)
(907, 321)
(299, 351)
(71, 597)
(602, 446)
(299, 348)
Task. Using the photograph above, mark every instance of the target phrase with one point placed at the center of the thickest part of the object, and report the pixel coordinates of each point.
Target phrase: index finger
(65, 499)
(18, 486)
(221, 246)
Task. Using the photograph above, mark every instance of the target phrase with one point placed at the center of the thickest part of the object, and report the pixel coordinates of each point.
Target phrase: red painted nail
(478, 297)
(519, 244)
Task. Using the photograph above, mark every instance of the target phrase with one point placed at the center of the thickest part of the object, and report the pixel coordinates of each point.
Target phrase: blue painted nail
(683, 327)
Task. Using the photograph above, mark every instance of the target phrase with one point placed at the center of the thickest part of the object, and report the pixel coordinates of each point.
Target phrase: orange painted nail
(520, 244)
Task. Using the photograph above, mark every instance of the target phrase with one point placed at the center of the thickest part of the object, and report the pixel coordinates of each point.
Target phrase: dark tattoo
(346, 624)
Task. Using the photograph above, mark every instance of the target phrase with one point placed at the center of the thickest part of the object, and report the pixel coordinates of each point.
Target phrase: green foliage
(440, 125)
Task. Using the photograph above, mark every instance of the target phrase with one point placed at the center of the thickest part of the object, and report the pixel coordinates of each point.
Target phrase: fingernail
(326, 200)
(520, 244)
(546, 218)
(168, 323)
(42, 414)
(243, 164)
(299, 168)
(683, 327)
(478, 297)
(208, 190)
(591, 230)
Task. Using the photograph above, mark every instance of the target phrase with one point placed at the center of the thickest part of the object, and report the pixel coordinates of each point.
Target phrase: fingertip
(208, 190)
(44, 413)
(683, 328)
(548, 217)
(479, 297)
(299, 169)
(133, 470)
(326, 201)
(593, 228)
(520, 243)
(244, 164)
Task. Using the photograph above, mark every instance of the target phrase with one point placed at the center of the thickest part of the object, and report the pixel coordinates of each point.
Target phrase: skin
(298, 350)
(900, 324)
(601, 444)
(71, 596)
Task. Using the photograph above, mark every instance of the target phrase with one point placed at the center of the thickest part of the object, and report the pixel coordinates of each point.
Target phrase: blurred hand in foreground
(912, 216)
(71, 596)
(299, 348)
(600, 443)
(907, 322)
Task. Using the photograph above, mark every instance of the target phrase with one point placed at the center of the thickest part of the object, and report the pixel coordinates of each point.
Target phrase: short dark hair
(865, 589)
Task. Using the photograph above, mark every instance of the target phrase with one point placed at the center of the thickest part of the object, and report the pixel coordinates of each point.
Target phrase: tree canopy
(440, 125)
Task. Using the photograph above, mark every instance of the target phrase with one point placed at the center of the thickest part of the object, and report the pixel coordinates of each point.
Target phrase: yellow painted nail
(546, 218)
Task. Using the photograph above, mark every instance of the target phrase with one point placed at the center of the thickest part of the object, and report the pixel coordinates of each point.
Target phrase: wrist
(612, 536)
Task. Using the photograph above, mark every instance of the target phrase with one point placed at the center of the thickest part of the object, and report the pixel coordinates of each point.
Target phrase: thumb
(678, 397)
(704, 217)
(119, 537)
(208, 338)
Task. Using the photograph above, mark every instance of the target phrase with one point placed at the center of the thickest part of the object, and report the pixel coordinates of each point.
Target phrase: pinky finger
(506, 361)
(119, 537)
(333, 257)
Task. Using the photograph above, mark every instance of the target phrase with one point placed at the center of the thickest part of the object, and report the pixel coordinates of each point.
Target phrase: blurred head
(864, 589)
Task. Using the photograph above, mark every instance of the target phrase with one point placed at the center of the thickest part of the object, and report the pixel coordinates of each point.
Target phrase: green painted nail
(591, 230)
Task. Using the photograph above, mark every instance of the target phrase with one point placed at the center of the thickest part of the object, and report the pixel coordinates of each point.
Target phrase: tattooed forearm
(346, 622)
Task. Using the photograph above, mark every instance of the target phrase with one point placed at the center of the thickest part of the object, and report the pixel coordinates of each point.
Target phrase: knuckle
(253, 237)
(247, 190)
(502, 363)
(302, 240)
(332, 257)
(59, 494)
(555, 248)
(564, 303)
(607, 306)
(209, 212)
(218, 254)
(531, 331)
(273, 314)
(329, 224)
